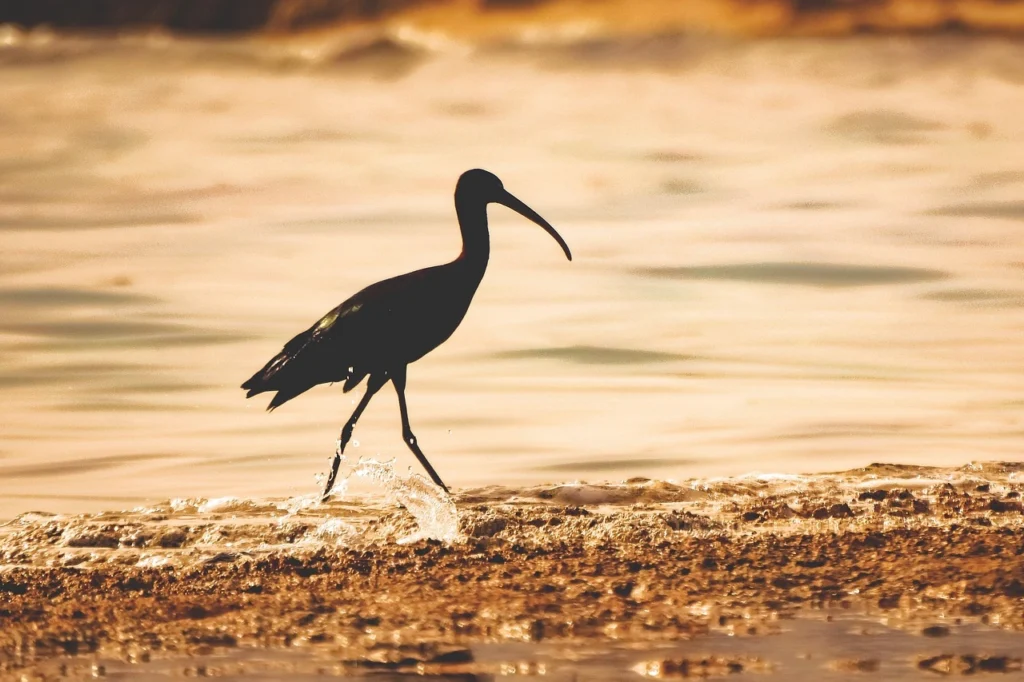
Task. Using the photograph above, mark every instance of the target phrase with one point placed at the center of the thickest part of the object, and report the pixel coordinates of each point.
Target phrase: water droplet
(355, 443)
(433, 510)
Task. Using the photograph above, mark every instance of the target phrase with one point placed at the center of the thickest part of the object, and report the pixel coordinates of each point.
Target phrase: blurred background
(798, 231)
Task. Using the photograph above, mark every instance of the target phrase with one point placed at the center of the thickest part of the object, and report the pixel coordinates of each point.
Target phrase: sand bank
(644, 562)
(726, 17)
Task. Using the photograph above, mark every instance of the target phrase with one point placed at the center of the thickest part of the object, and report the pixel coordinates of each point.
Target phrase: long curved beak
(522, 209)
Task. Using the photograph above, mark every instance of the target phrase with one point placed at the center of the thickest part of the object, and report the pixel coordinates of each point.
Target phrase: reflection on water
(824, 646)
(593, 355)
(576, 581)
(790, 256)
(810, 274)
(870, 499)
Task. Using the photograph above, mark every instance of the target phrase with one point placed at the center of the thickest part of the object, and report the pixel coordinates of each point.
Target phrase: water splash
(196, 531)
(432, 508)
(335, 530)
(299, 503)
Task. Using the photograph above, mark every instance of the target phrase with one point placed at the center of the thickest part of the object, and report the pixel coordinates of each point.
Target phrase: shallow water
(198, 531)
(823, 646)
(790, 256)
(896, 571)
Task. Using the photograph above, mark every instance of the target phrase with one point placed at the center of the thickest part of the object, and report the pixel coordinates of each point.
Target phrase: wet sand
(937, 554)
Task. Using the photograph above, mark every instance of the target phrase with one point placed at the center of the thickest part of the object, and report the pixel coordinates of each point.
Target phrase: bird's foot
(335, 465)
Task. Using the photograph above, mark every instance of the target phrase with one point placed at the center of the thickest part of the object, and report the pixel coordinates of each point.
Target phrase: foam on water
(300, 503)
(409, 508)
(335, 531)
(431, 507)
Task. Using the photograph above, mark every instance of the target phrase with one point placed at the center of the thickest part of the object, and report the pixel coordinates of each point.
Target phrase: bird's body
(395, 321)
(380, 330)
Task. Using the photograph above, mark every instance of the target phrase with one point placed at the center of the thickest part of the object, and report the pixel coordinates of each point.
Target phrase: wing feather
(310, 358)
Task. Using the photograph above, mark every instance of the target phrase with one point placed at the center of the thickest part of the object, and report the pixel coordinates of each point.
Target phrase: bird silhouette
(380, 330)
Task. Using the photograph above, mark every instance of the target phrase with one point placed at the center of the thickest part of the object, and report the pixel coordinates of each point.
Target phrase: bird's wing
(310, 358)
(357, 337)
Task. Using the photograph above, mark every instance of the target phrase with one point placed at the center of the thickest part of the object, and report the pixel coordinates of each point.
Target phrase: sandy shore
(537, 572)
(729, 17)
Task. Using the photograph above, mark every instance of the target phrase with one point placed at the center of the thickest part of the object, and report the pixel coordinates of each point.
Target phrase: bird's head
(478, 185)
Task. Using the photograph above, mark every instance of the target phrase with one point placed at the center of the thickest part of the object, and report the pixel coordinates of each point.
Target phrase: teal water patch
(63, 297)
(810, 205)
(1008, 210)
(622, 464)
(465, 109)
(41, 223)
(997, 179)
(882, 126)
(61, 374)
(595, 355)
(991, 297)
(79, 466)
(159, 387)
(64, 334)
(117, 406)
(681, 186)
(827, 275)
(672, 156)
(852, 430)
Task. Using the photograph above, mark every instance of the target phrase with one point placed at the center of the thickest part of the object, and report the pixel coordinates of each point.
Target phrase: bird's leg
(372, 386)
(398, 379)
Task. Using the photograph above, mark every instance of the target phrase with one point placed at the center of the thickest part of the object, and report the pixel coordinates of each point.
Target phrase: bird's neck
(476, 240)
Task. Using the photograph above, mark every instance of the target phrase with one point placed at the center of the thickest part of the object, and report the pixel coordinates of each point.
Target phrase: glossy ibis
(387, 325)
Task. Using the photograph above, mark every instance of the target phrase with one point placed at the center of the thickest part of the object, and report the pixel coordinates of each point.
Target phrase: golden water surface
(789, 256)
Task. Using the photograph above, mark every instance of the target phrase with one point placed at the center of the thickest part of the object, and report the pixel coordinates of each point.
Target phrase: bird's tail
(284, 395)
(263, 380)
(291, 372)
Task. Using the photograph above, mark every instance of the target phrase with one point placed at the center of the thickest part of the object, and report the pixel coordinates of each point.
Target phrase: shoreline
(499, 18)
(376, 604)
(645, 569)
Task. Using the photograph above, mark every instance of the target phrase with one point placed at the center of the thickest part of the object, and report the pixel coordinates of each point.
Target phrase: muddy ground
(526, 572)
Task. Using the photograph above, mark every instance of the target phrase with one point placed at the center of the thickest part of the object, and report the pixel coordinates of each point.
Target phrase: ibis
(379, 331)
